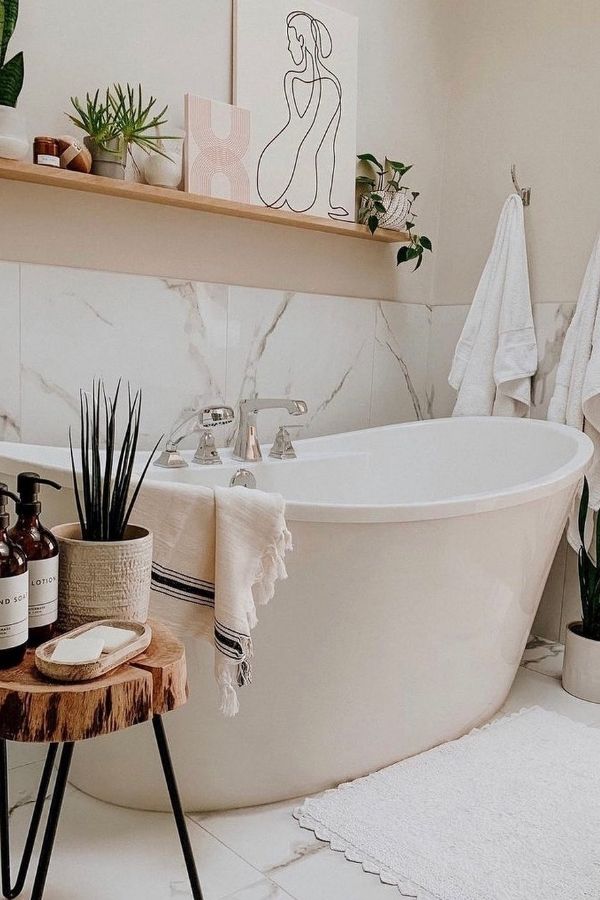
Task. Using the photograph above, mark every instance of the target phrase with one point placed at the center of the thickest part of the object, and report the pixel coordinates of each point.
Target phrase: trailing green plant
(589, 573)
(122, 113)
(102, 495)
(13, 71)
(386, 179)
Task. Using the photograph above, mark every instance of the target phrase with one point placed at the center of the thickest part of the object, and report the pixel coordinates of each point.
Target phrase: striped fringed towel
(217, 553)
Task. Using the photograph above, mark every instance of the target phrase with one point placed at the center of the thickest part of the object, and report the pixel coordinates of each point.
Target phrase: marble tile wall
(357, 363)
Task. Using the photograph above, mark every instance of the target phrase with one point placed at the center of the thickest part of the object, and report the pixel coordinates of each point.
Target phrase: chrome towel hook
(524, 193)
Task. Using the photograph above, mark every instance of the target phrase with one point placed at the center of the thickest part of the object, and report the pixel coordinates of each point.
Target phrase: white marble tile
(20, 754)
(551, 321)
(167, 337)
(267, 837)
(400, 363)
(125, 855)
(262, 890)
(532, 689)
(301, 346)
(10, 394)
(544, 657)
(446, 326)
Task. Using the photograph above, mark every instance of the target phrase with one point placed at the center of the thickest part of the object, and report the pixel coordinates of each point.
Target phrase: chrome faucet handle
(282, 445)
(207, 453)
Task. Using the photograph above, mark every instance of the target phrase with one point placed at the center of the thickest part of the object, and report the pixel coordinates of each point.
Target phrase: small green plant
(96, 118)
(13, 71)
(589, 573)
(377, 193)
(103, 499)
(121, 113)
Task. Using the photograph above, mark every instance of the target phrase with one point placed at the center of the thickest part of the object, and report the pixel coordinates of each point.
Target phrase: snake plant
(105, 497)
(11, 72)
(589, 574)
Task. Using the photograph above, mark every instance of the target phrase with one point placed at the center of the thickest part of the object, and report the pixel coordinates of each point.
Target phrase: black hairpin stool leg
(52, 823)
(7, 890)
(165, 758)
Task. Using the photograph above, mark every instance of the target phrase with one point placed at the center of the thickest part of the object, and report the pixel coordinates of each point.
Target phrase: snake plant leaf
(9, 13)
(11, 80)
(583, 509)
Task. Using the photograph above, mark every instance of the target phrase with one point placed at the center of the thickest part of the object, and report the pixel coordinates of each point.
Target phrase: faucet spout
(247, 445)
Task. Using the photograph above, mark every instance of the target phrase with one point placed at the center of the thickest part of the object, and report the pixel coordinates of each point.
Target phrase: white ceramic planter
(581, 669)
(14, 143)
(103, 579)
(397, 209)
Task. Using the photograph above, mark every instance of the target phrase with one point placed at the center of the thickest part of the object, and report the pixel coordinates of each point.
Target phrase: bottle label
(13, 611)
(43, 159)
(43, 591)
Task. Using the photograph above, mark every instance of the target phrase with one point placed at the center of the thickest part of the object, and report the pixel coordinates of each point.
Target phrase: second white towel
(497, 351)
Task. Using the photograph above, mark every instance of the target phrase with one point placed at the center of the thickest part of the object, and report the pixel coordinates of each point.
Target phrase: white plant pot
(397, 209)
(103, 579)
(581, 668)
(14, 143)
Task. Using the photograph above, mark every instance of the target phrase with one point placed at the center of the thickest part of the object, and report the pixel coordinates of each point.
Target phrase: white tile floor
(258, 854)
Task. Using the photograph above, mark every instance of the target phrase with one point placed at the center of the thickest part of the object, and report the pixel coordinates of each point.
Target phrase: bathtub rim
(356, 513)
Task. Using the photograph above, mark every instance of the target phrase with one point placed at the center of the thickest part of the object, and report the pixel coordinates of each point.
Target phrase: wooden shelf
(128, 190)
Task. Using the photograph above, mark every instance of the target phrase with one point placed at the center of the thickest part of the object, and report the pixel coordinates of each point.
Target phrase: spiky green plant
(103, 500)
(96, 118)
(13, 71)
(136, 120)
(589, 573)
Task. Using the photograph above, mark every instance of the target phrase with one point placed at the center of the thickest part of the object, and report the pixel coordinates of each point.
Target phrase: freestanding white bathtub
(421, 552)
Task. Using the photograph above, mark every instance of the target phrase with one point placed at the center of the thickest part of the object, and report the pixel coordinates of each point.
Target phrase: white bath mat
(509, 812)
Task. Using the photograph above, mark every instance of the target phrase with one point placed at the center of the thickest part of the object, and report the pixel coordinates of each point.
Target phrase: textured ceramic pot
(109, 160)
(14, 143)
(397, 208)
(103, 579)
(581, 669)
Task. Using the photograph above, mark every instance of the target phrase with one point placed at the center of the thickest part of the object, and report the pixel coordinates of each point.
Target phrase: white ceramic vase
(162, 172)
(103, 579)
(581, 668)
(14, 143)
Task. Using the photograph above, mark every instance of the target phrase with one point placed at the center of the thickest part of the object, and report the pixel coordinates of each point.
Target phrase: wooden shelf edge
(129, 190)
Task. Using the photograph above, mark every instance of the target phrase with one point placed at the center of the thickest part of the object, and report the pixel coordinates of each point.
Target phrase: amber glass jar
(45, 152)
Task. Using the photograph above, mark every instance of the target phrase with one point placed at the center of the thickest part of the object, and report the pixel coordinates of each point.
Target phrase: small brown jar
(45, 152)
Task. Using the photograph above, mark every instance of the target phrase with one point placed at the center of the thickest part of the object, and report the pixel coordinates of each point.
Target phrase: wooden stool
(34, 709)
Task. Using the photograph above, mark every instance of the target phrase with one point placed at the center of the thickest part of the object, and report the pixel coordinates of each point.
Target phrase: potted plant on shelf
(581, 669)
(13, 135)
(387, 203)
(105, 562)
(116, 122)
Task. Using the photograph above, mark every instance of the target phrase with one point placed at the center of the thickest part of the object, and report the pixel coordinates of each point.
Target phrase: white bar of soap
(113, 638)
(77, 651)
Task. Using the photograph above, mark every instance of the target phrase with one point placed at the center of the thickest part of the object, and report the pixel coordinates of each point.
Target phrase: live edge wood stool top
(35, 709)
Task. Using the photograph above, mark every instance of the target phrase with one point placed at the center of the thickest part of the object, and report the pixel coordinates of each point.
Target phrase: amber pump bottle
(41, 549)
(14, 585)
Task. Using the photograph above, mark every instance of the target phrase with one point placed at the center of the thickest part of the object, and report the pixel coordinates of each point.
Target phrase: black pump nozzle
(4, 495)
(28, 488)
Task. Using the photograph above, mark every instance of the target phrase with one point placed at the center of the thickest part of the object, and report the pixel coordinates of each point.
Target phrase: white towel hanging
(497, 352)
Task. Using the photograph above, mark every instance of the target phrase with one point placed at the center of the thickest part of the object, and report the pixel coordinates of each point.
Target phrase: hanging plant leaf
(373, 223)
(425, 242)
(369, 158)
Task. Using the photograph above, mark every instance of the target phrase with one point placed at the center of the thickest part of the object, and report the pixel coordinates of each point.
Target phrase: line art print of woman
(296, 170)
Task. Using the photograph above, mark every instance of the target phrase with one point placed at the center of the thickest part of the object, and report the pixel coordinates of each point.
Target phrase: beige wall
(526, 88)
(185, 45)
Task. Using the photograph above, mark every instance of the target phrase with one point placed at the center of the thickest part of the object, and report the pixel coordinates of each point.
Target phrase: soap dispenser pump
(41, 549)
(14, 587)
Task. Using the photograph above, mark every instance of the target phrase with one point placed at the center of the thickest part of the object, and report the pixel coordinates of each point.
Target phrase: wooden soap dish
(107, 662)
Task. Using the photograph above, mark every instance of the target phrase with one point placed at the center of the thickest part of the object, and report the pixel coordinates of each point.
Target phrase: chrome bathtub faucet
(201, 420)
(247, 444)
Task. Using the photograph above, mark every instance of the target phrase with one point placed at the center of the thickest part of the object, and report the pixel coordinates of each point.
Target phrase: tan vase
(581, 668)
(103, 579)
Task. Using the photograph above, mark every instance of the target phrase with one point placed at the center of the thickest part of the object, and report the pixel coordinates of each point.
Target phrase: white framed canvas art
(217, 146)
(295, 69)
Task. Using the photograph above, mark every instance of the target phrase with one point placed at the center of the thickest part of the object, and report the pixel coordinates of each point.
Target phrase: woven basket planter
(103, 579)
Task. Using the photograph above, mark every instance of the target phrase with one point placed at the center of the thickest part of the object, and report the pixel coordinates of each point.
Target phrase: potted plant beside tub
(105, 566)
(13, 135)
(581, 669)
